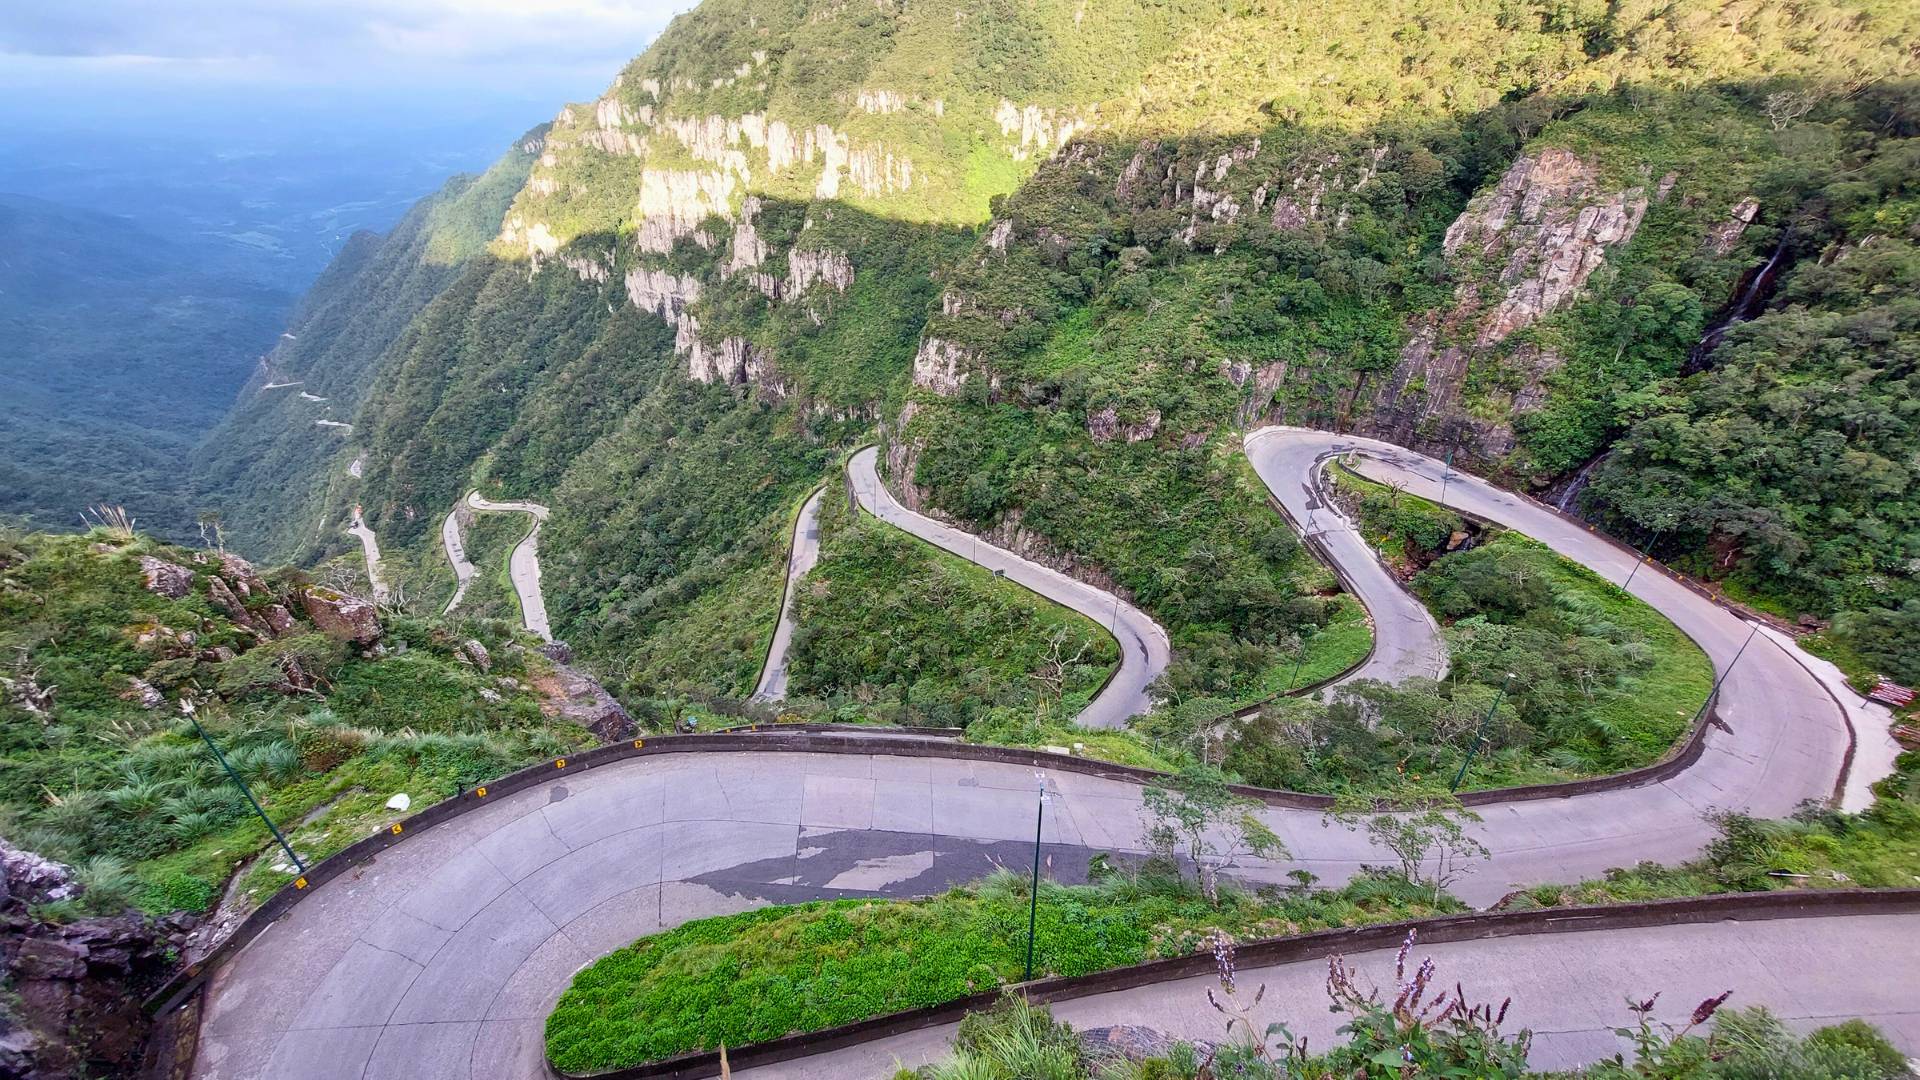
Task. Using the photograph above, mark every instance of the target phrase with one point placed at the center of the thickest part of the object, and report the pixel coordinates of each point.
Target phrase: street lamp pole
(1480, 734)
(1446, 474)
(1033, 900)
(1715, 692)
(1644, 556)
(244, 790)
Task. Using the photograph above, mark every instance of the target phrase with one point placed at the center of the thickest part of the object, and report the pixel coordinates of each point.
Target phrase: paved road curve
(456, 549)
(1406, 641)
(370, 550)
(523, 566)
(1570, 989)
(440, 959)
(804, 554)
(1144, 648)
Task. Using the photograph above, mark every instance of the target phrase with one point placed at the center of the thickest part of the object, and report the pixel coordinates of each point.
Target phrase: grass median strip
(746, 978)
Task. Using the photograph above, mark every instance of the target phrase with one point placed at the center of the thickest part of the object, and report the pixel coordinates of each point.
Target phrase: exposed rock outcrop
(1105, 426)
(569, 693)
(73, 1007)
(1520, 251)
(1724, 237)
(1034, 129)
(804, 267)
(939, 366)
(338, 615)
(165, 578)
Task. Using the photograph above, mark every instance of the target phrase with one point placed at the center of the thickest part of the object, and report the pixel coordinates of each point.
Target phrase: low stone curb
(1271, 951)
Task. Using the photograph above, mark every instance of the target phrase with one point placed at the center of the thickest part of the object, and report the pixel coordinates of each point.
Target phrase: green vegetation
(766, 973)
(1600, 683)
(119, 349)
(1815, 849)
(269, 469)
(1408, 530)
(323, 730)
(1018, 1041)
(1786, 462)
(904, 628)
(1222, 242)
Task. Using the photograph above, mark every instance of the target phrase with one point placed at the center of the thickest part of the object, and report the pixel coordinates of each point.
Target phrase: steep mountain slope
(268, 463)
(1064, 252)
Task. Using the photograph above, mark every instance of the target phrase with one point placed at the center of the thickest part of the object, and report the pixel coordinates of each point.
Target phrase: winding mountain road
(455, 547)
(803, 553)
(1570, 989)
(523, 566)
(370, 551)
(1144, 647)
(1406, 640)
(441, 958)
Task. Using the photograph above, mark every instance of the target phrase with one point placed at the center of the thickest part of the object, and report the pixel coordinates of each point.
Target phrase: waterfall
(1578, 484)
(1750, 299)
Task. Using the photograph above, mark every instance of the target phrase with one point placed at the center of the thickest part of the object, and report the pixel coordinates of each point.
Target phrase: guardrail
(1271, 951)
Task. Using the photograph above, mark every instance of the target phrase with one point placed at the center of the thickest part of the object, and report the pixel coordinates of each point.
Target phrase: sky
(130, 61)
(225, 121)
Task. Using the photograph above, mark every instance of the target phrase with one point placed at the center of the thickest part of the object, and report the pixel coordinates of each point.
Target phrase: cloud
(331, 40)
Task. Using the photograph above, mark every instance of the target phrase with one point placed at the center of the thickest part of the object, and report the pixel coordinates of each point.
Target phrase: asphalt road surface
(805, 553)
(523, 565)
(1569, 989)
(456, 549)
(1406, 640)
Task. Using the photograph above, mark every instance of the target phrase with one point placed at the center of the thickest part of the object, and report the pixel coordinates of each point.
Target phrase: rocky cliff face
(73, 1006)
(1522, 249)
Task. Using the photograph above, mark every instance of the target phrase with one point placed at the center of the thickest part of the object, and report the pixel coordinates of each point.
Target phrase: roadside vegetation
(920, 636)
(762, 974)
(1422, 1034)
(766, 973)
(1817, 848)
(1554, 674)
(101, 768)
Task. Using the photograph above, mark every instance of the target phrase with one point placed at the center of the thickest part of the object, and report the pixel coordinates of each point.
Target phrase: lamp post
(1715, 692)
(244, 790)
(1480, 734)
(1644, 556)
(1446, 474)
(1033, 896)
(1299, 661)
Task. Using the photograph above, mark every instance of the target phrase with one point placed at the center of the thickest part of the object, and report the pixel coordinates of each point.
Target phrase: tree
(1417, 828)
(1197, 814)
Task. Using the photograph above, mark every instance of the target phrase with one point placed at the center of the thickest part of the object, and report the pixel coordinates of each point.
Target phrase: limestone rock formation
(1519, 251)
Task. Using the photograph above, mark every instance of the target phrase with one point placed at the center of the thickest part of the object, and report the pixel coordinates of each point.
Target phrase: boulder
(32, 878)
(278, 619)
(223, 598)
(142, 693)
(476, 654)
(167, 579)
(246, 580)
(338, 615)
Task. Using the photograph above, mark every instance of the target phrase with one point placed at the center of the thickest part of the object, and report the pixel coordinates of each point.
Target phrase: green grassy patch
(896, 624)
(1555, 674)
(324, 732)
(744, 978)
